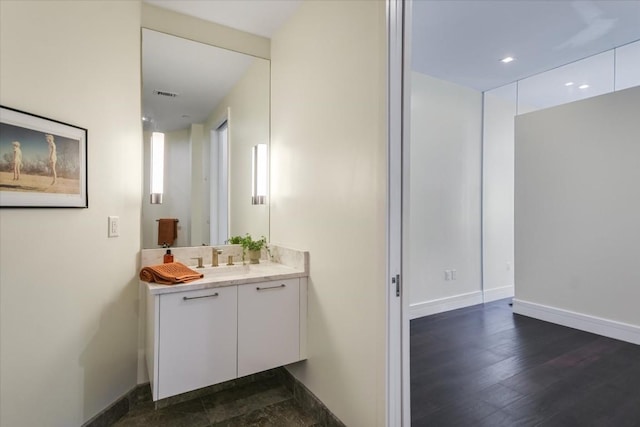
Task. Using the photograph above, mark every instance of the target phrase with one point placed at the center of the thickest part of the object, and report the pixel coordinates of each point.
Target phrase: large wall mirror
(212, 105)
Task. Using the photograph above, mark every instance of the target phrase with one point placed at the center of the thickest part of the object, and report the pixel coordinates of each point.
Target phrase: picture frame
(43, 162)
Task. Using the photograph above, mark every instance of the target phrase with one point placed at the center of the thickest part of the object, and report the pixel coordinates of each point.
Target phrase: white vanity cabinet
(197, 338)
(268, 325)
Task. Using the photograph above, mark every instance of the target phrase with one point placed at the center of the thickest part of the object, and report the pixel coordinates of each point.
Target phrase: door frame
(398, 102)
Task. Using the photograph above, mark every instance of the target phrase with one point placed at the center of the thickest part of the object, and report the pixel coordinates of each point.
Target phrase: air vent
(165, 93)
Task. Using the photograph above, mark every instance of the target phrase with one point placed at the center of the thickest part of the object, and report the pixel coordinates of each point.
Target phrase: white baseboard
(584, 322)
(427, 308)
(498, 293)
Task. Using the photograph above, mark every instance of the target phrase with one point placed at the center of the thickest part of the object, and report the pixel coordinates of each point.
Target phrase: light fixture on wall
(259, 175)
(157, 167)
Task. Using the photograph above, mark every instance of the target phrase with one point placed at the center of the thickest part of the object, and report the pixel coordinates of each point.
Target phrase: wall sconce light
(259, 169)
(157, 167)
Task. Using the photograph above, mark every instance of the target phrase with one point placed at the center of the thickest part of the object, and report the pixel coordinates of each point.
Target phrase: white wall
(328, 171)
(68, 293)
(444, 195)
(176, 200)
(577, 206)
(248, 125)
(497, 192)
(627, 66)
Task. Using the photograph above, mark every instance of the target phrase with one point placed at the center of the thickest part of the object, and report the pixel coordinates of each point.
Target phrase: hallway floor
(263, 403)
(485, 366)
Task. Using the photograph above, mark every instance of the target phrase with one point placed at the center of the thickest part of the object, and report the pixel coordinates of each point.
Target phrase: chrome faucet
(214, 256)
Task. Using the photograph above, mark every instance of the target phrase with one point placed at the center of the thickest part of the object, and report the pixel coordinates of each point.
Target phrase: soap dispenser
(168, 257)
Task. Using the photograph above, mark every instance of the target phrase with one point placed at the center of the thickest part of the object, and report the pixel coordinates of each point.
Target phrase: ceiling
(458, 41)
(198, 74)
(464, 41)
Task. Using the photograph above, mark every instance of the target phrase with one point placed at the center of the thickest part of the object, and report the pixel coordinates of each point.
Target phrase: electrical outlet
(114, 226)
(508, 266)
(447, 275)
(454, 274)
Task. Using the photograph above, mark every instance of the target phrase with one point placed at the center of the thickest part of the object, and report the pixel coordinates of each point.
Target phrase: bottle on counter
(168, 257)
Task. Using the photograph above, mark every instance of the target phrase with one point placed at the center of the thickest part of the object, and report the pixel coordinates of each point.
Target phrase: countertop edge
(218, 282)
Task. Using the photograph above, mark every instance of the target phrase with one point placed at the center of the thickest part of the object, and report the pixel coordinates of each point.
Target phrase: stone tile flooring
(263, 403)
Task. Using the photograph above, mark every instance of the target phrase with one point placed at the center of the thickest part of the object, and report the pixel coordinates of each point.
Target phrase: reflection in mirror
(212, 104)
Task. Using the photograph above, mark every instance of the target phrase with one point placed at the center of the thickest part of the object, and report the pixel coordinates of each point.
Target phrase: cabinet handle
(270, 287)
(203, 296)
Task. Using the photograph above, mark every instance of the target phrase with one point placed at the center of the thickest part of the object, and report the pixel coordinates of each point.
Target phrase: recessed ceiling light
(507, 59)
(568, 84)
(583, 86)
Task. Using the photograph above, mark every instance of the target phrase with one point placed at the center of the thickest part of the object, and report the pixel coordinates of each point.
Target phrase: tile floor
(265, 403)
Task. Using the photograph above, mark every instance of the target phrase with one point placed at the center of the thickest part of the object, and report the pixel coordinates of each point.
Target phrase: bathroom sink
(223, 270)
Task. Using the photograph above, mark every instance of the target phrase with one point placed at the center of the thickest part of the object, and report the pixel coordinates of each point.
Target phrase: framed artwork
(43, 162)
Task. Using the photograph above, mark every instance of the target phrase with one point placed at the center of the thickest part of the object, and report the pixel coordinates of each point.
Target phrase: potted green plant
(235, 240)
(253, 247)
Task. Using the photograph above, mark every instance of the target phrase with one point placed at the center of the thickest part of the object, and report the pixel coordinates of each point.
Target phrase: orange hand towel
(169, 274)
(167, 231)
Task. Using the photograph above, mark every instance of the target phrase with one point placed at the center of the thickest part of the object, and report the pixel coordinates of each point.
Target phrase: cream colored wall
(328, 171)
(248, 125)
(68, 293)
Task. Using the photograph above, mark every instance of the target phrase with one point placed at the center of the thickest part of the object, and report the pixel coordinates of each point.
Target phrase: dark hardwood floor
(485, 366)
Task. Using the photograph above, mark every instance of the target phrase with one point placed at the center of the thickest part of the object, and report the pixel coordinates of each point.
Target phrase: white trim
(435, 306)
(397, 329)
(403, 188)
(495, 294)
(584, 322)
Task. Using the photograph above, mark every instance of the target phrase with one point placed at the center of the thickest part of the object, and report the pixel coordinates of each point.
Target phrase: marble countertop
(215, 277)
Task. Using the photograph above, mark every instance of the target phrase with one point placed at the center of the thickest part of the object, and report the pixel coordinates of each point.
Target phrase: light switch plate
(114, 226)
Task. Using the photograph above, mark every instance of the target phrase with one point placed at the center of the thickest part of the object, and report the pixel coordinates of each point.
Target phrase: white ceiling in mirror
(261, 17)
(200, 75)
(464, 41)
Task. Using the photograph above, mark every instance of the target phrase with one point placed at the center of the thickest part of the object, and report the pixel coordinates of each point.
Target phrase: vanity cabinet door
(268, 325)
(197, 339)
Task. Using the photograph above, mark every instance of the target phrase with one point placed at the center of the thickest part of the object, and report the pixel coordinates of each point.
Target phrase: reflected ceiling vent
(165, 93)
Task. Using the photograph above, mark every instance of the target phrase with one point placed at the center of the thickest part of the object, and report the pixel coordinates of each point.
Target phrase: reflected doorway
(219, 200)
